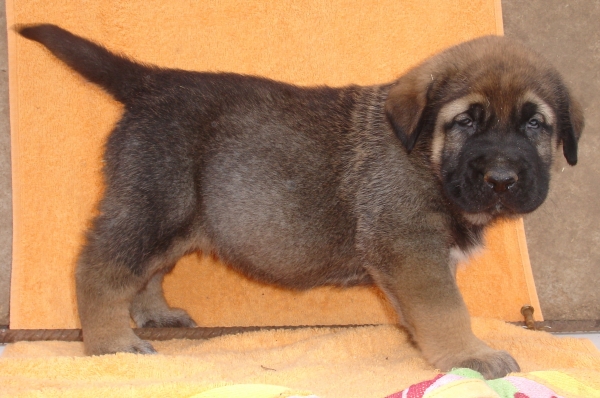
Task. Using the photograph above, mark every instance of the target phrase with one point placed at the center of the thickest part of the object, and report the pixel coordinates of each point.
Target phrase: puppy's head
(489, 113)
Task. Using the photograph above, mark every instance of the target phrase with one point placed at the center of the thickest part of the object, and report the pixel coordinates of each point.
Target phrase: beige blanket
(361, 362)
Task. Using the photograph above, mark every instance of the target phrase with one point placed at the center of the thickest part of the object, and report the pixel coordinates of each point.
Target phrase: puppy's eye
(464, 121)
(534, 124)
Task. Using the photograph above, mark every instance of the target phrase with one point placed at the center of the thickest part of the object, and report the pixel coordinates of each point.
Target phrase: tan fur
(545, 148)
(446, 115)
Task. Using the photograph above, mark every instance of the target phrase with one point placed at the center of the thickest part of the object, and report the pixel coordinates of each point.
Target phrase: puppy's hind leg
(105, 290)
(119, 275)
(149, 308)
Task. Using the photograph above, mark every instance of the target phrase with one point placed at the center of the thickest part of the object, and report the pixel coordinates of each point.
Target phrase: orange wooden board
(59, 123)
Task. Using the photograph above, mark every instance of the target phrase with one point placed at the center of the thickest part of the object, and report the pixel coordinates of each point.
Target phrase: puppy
(309, 186)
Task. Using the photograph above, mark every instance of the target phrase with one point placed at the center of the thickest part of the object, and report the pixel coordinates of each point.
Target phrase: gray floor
(563, 235)
(5, 177)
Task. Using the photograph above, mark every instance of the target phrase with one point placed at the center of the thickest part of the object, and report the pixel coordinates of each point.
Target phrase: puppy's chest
(460, 256)
(467, 241)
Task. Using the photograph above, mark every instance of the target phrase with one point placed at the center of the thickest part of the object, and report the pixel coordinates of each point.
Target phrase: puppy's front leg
(423, 290)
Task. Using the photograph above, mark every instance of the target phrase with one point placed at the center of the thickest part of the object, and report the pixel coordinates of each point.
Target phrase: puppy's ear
(571, 122)
(405, 106)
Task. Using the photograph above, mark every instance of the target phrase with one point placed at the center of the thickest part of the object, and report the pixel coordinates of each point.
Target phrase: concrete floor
(5, 176)
(563, 235)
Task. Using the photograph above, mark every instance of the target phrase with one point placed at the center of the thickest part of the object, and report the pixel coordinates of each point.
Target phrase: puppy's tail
(116, 74)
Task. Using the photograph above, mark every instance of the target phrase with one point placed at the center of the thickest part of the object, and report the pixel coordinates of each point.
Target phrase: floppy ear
(571, 124)
(404, 108)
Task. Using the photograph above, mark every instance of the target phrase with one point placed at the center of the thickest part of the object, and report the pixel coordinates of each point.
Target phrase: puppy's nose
(500, 180)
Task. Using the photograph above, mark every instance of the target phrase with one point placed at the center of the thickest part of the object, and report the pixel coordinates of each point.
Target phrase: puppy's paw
(129, 343)
(492, 364)
(140, 347)
(171, 318)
